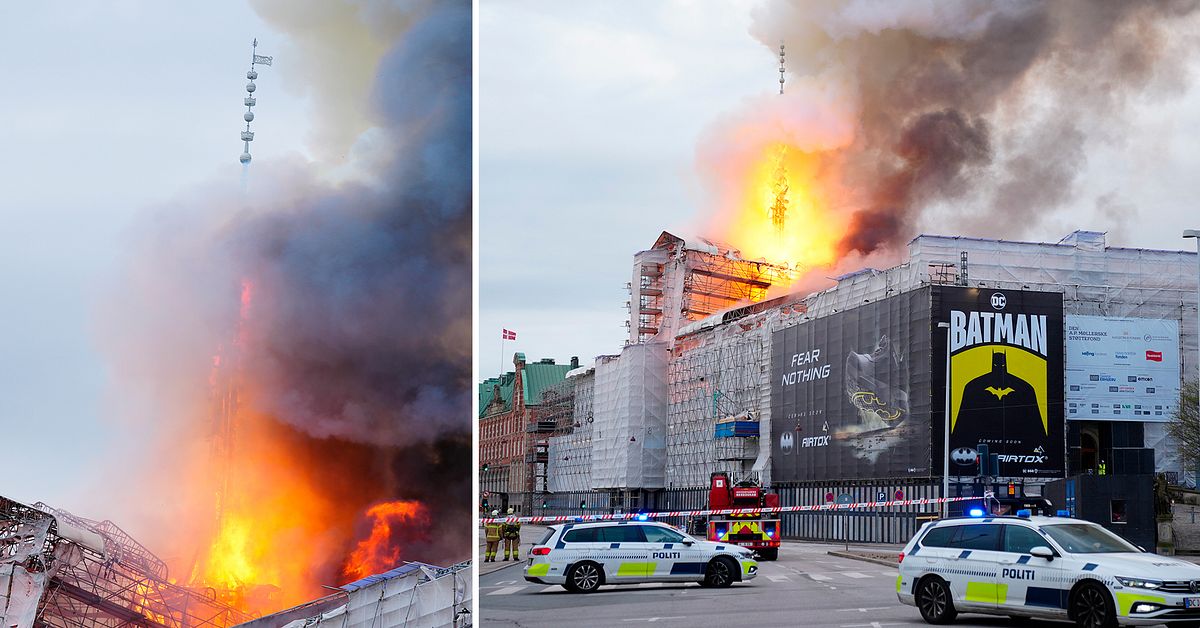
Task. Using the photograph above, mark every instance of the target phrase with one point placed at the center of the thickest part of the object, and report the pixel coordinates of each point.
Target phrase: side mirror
(1042, 551)
(688, 542)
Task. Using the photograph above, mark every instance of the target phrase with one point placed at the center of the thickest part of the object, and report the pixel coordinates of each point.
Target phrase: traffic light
(583, 504)
(485, 503)
(544, 504)
(984, 460)
(486, 466)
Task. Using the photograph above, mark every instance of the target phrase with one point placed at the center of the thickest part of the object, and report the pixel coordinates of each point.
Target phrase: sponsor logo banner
(1128, 366)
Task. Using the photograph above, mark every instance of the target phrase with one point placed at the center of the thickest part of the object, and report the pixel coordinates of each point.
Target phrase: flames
(784, 208)
(279, 527)
(379, 551)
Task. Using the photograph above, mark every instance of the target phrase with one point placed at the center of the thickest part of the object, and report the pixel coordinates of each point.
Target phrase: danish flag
(507, 334)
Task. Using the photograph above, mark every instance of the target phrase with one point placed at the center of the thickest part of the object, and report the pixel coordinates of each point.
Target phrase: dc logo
(998, 301)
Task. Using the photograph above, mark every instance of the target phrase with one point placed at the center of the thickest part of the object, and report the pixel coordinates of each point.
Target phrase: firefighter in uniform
(492, 534)
(512, 538)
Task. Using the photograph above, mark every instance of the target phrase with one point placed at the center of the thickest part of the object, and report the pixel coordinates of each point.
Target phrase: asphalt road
(805, 587)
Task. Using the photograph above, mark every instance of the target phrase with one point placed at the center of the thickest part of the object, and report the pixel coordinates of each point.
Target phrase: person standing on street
(512, 538)
(491, 531)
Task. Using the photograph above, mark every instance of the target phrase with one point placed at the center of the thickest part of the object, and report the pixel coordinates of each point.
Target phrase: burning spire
(779, 186)
(251, 74)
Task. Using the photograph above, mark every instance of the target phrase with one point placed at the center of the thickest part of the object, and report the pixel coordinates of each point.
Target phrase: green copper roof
(535, 379)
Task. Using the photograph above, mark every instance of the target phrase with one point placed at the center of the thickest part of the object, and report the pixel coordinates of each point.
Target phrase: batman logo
(964, 456)
(999, 392)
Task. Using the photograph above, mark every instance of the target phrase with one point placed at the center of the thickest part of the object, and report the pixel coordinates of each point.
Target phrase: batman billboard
(1006, 378)
(850, 393)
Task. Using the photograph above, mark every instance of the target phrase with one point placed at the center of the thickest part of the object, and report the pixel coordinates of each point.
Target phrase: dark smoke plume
(983, 106)
(355, 350)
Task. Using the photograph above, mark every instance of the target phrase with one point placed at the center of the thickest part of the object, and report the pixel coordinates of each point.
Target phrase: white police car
(1043, 567)
(583, 556)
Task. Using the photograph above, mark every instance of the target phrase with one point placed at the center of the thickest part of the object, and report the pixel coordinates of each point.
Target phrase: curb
(500, 565)
(877, 561)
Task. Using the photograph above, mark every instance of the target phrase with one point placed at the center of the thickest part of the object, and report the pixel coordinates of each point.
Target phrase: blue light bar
(642, 517)
(1063, 513)
(975, 512)
(1024, 512)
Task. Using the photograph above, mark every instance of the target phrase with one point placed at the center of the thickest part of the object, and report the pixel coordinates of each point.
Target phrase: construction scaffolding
(679, 281)
(79, 573)
(570, 446)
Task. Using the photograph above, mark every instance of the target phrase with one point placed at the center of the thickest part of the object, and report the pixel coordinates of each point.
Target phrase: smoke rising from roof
(981, 107)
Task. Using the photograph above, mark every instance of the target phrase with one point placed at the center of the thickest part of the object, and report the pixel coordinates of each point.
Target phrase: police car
(1047, 567)
(583, 556)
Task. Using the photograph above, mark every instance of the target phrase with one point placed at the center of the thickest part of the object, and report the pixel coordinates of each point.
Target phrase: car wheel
(1092, 607)
(719, 573)
(584, 577)
(934, 601)
(769, 553)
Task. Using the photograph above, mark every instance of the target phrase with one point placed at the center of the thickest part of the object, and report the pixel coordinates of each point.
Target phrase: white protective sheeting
(629, 435)
(20, 592)
(424, 598)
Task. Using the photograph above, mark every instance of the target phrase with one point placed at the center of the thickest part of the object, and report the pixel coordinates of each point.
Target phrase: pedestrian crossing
(510, 588)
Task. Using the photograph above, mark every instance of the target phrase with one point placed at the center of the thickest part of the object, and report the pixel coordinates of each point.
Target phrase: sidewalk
(530, 534)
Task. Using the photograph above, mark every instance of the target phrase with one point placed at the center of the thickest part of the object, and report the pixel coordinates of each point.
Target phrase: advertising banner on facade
(1006, 378)
(1122, 369)
(850, 393)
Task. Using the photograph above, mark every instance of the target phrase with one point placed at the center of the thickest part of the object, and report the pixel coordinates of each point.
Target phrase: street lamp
(1194, 233)
(946, 430)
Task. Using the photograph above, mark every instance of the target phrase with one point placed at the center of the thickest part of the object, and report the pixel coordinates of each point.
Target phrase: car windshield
(1079, 538)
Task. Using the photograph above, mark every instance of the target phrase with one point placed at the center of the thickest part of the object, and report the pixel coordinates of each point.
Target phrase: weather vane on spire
(248, 135)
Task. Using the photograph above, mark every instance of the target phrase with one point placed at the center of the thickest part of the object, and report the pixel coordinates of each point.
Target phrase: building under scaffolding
(58, 569)
(721, 383)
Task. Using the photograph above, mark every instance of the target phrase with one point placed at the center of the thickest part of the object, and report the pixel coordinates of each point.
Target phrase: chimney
(574, 361)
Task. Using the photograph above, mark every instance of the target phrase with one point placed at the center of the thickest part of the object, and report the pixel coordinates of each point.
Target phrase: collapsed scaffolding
(59, 569)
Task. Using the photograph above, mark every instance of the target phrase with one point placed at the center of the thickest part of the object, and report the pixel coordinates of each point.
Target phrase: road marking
(888, 573)
(818, 577)
(780, 578)
(863, 610)
(553, 587)
(506, 591)
(873, 624)
(653, 618)
(854, 574)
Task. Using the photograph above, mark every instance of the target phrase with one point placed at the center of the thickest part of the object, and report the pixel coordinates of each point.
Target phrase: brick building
(513, 443)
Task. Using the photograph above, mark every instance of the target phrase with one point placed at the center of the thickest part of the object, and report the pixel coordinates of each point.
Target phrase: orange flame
(379, 552)
(785, 208)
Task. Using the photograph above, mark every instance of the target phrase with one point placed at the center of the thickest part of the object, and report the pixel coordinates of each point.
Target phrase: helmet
(510, 510)
(495, 512)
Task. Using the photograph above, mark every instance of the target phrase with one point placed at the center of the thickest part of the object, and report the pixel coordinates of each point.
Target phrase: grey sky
(111, 108)
(590, 117)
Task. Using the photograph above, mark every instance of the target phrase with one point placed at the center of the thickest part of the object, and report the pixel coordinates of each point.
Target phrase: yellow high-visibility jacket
(492, 530)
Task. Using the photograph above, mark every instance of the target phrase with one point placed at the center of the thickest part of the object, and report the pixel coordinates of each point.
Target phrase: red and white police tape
(727, 511)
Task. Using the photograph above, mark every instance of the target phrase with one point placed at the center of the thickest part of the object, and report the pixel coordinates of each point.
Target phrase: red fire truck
(759, 532)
